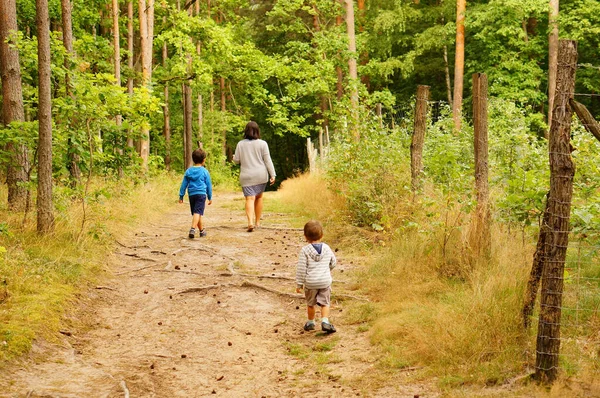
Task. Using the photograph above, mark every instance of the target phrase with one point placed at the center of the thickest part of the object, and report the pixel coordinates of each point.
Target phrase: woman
(256, 170)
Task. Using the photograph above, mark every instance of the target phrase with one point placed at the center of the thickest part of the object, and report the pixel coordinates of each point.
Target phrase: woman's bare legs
(250, 205)
(258, 208)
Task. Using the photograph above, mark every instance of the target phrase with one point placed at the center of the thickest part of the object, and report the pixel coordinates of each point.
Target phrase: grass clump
(40, 276)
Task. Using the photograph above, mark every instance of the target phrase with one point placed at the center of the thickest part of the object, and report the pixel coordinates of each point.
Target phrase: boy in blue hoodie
(199, 187)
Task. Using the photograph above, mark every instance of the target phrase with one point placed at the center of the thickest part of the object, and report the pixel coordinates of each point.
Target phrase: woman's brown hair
(252, 132)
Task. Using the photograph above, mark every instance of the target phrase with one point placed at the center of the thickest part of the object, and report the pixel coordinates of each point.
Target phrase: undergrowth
(40, 276)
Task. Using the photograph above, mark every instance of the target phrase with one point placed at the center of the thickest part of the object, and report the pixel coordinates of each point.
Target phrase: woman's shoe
(250, 228)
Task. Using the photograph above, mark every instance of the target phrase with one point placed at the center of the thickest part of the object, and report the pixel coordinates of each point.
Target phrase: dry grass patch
(43, 274)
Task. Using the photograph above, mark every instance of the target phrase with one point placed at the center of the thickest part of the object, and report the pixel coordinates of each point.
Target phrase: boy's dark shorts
(197, 204)
(320, 297)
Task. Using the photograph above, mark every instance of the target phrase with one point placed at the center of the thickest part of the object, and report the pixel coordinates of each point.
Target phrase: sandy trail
(146, 337)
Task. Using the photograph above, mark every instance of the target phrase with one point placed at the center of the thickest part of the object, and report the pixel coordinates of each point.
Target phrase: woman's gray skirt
(254, 190)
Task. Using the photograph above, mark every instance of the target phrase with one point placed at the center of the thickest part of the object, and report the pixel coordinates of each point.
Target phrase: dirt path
(149, 335)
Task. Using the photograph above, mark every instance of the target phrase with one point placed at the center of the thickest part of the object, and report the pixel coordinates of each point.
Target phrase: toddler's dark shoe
(308, 326)
(192, 233)
(327, 327)
(202, 233)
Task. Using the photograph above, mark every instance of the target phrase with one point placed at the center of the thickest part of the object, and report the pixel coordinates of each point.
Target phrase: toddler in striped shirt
(313, 274)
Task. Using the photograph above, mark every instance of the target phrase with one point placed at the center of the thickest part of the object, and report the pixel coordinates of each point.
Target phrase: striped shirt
(314, 270)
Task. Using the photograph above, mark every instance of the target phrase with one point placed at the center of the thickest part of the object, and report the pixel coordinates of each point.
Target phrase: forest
(105, 100)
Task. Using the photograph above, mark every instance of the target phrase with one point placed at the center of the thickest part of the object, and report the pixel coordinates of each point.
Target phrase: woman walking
(256, 169)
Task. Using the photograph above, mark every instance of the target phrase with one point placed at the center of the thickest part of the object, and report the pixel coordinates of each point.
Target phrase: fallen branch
(285, 294)
(348, 297)
(105, 287)
(135, 255)
(202, 288)
(124, 387)
(136, 269)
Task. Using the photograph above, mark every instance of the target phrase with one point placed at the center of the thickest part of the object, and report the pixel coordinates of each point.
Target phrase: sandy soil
(174, 321)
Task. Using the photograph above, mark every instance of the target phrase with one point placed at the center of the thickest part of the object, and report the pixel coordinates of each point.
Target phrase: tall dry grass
(44, 273)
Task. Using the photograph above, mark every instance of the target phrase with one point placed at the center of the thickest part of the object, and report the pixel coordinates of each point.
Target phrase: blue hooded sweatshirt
(197, 182)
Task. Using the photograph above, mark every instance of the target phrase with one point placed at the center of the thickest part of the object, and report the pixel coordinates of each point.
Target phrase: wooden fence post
(558, 207)
(480, 233)
(418, 138)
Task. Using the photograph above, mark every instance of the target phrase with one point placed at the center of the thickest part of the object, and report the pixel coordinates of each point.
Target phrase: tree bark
(352, 68)
(562, 170)
(45, 213)
(117, 60)
(12, 107)
(480, 234)
(418, 138)
(459, 63)
(552, 56)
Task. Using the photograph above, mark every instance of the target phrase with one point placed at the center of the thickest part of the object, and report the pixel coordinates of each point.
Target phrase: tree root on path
(136, 269)
(268, 289)
(204, 288)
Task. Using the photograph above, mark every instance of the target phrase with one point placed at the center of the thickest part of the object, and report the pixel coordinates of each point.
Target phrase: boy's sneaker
(202, 233)
(192, 233)
(308, 326)
(327, 327)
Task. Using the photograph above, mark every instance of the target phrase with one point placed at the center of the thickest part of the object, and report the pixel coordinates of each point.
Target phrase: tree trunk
(352, 68)
(562, 170)
(188, 121)
(12, 107)
(223, 109)
(418, 138)
(166, 109)
(338, 69)
(552, 56)
(480, 234)
(447, 72)
(459, 63)
(130, 58)
(67, 26)
(146, 12)
(45, 213)
(117, 66)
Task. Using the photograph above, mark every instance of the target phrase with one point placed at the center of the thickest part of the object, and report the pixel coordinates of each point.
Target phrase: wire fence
(579, 323)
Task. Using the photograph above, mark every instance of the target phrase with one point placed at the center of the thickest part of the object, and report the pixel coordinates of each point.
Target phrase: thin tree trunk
(223, 109)
(199, 99)
(459, 63)
(352, 68)
(552, 57)
(130, 58)
(67, 27)
(188, 121)
(338, 69)
(418, 138)
(117, 65)
(562, 170)
(146, 13)
(447, 72)
(45, 212)
(166, 109)
(481, 234)
(12, 107)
